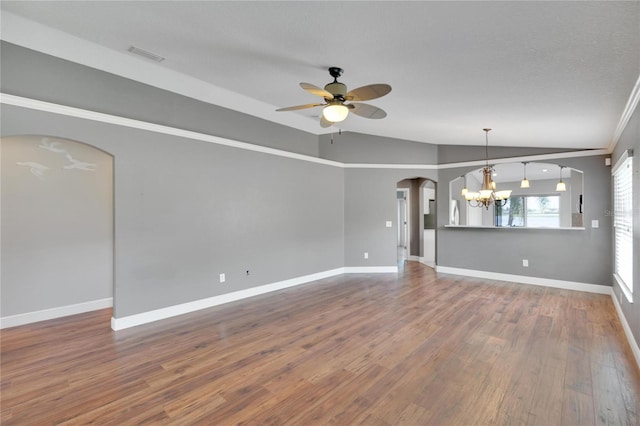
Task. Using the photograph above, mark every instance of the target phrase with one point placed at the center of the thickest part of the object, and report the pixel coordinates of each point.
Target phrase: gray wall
(630, 139)
(186, 211)
(35, 75)
(350, 147)
(461, 153)
(57, 224)
(552, 254)
(370, 201)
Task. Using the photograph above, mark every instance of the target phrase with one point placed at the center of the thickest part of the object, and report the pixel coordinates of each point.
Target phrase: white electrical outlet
(366, 255)
(595, 223)
(525, 263)
(389, 224)
(223, 278)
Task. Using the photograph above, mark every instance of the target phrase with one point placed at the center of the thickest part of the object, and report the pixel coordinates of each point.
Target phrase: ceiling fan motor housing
(337, 89)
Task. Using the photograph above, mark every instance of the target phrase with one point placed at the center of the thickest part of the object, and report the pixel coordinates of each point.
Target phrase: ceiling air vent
(145, 54)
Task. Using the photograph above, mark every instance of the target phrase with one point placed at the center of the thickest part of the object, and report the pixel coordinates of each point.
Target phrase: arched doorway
(416, 200)
(57, 228)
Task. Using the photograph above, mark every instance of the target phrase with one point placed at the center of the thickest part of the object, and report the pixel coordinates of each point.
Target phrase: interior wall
(350, 147)
(551, 253)
(630, 139)
(460, 153)
(370, 201)
(57, 224)
(186, 210)
(35, 75)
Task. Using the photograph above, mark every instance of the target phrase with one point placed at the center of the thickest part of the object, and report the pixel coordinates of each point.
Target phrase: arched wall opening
(57, 233)
(417, 203)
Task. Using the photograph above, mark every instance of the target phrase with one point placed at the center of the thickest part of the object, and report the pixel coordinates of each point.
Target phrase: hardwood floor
(415, 348)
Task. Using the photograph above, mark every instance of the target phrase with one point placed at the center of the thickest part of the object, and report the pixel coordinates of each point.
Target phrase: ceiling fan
(335, 95)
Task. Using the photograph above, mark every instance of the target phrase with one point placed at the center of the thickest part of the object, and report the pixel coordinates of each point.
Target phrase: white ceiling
(541, 74)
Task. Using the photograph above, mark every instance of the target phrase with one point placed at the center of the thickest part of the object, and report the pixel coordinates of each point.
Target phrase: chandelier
(488, 194)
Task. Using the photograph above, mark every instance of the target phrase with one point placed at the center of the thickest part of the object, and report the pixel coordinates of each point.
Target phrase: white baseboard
(61, 311)
(370, 269)
(429, 263)
(523, 279)
(627, 329)
(196, 305)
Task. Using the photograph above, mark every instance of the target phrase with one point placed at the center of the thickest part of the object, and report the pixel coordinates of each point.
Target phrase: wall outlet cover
(223, 278)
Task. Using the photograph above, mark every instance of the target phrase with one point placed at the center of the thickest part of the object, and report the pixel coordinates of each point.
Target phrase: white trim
(627, 329)
(370, 269)
(621, 161)
(422, 260)
(61, 311)
(523, 279)
(196, 305)
(392, 166)
(623, 286)
(538, 157)
(539, 228)
(152, 127)
(628, 111)
(474, 163)
(68, 111)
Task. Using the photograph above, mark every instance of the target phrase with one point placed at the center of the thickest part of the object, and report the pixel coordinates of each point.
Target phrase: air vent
(145, 54)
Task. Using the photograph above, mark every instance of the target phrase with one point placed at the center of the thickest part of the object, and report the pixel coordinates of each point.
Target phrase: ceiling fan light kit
(335, 95)
(335, 112)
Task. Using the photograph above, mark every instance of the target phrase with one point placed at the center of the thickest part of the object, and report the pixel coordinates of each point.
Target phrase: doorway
(416, 200)
(402, 196)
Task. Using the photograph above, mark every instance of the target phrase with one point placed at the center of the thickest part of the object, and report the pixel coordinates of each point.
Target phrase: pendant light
(524, 183)
(488, 194)
(561, 187)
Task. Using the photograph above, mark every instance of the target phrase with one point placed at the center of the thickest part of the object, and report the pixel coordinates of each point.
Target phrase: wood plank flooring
(416, 348)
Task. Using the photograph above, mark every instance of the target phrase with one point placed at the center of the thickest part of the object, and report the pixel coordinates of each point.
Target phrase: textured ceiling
(541, 74)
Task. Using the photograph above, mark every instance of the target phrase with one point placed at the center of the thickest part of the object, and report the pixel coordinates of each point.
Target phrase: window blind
(623, 222)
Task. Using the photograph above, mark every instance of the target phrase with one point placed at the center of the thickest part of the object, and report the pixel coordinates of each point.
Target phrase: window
(533, 211)
(623, 223)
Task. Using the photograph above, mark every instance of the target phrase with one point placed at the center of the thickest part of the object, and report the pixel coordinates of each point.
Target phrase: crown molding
(37, 105)
(628, 111)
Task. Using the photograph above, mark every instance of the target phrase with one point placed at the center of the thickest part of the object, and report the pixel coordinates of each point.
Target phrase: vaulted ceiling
(541, 74)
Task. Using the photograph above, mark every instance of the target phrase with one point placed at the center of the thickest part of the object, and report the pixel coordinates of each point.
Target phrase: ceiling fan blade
(324, 122)
(315, 90)
(366, 93)
(367, 111)
(293, 108)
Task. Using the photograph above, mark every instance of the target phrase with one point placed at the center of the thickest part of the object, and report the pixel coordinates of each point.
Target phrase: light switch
(595, 223)
(389, 224)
